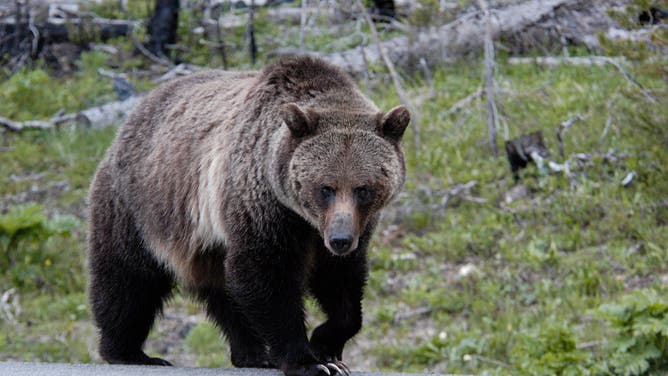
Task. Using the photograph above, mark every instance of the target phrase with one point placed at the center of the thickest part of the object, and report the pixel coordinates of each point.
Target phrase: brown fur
(212, 168)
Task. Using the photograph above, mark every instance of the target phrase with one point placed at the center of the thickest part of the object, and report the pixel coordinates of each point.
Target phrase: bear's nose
(340, 243)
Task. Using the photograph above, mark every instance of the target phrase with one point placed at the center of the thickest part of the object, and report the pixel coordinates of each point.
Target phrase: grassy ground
(554, 274)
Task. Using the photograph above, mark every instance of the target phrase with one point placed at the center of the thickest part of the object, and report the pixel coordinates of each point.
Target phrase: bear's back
(181, 106)
(173, 135)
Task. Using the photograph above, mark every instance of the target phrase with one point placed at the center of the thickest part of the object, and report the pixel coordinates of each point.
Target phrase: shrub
(31, 257)
(640, 343)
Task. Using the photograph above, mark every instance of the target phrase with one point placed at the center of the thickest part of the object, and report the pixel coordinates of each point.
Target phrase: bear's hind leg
(125, 311)
(127, 285)
(246, 347)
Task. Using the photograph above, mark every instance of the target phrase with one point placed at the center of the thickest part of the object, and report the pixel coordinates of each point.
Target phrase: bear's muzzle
(341, 235)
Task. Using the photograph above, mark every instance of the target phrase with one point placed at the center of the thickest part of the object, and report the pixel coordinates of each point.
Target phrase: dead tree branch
(108, 114)
(553, 61)
(563, 128)
(415, 118)
(462, 103)
(35, 124)
(492, 112)
(250, 32)
(156, 59)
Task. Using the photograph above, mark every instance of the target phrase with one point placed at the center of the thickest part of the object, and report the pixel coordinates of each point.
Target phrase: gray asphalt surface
(60, 369)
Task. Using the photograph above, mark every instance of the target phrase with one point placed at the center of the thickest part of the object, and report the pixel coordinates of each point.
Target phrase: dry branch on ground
(108, 114)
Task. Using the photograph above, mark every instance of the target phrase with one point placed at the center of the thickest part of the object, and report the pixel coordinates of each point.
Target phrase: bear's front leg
(266, 286)
(337, 283)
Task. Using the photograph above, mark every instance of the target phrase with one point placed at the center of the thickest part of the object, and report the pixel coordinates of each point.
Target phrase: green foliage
(22, 223)
(35, 95)
(136, 10)
(31, 259)
(205, 341)
(551, 350)
(18, 95)
(426, 13)
(639, 345)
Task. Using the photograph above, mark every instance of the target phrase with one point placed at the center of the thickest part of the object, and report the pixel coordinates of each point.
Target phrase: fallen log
(525, 149)
(553, 61)
(466, 33)
(60, 29)
(35, 124)
(108, 114)
(23, 37)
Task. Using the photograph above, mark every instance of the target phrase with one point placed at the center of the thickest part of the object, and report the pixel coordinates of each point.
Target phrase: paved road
(60, 369)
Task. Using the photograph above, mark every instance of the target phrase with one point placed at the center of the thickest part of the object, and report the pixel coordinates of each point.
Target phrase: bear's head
(339, 169)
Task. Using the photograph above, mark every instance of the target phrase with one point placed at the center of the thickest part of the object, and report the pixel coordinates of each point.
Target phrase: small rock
(467, 270)
(515, 193)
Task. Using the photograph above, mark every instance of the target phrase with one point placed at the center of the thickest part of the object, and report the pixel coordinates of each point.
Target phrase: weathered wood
(56, 29)
(415, 117)
(23, 37)
(109, 114)
(492, 113)
(525, 149)
(553, 61)
(465, 34)
(250, 33)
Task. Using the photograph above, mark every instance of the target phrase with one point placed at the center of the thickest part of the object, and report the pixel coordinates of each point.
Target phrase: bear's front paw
(134, 358)
(332, 361)
(323, 369)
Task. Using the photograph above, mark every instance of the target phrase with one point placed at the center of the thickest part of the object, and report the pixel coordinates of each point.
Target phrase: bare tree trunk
(250, 32)
(162, 27)
(221, 44)
(302, 25)
(492, 113)
(415, 116)
(386, 9)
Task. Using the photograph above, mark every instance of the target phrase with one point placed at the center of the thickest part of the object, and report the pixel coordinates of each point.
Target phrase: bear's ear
(394, 123)
(299, 122)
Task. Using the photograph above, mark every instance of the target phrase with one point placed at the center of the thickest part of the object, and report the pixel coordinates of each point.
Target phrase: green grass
(571, 278)
(544, 262)
(36, 95)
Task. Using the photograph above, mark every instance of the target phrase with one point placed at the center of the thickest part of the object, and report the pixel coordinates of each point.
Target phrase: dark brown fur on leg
(246, 347)
(337, 283)
(127, 285)
(278, 316)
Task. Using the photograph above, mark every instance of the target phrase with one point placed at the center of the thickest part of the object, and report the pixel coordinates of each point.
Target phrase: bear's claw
(159, 362)
(328, 369)
(334, 368)
(343, 367)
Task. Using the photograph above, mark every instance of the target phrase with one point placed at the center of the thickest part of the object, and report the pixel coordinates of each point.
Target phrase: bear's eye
(363, 195)
(327, 192)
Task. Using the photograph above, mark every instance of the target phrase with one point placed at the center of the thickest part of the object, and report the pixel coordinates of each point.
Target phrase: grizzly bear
(249, 189)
